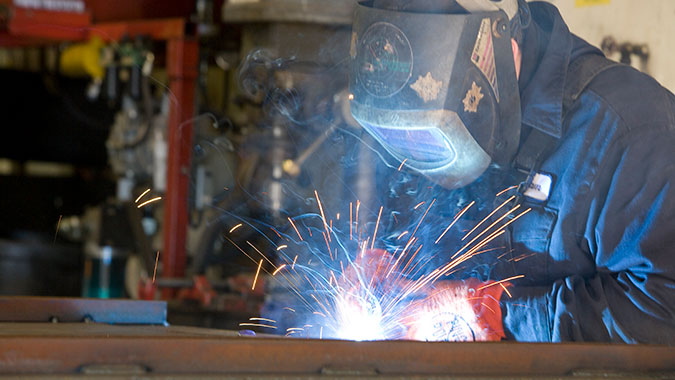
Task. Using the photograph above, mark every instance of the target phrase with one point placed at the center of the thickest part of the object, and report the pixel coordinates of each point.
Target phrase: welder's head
(434, 82)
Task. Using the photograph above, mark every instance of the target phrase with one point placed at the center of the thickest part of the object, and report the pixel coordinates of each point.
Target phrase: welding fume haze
(341, 268)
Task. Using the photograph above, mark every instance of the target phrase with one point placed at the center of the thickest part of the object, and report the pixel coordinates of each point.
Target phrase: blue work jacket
(599, 252)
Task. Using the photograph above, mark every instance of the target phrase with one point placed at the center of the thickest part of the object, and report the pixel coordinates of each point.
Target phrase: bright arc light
(359, 321)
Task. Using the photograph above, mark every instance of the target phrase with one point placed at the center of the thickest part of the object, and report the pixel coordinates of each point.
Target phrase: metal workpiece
(112, 311)
(41, 349)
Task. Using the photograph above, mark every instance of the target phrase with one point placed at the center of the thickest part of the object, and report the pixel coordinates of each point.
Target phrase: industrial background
(147, 142)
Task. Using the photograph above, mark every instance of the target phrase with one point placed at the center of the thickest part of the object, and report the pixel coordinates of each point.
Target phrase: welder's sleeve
(630, 233)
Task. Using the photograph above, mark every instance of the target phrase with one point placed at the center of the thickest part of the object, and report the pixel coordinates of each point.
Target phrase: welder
(454, 89)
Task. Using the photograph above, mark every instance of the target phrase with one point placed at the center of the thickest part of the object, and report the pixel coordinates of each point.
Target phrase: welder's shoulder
(636, 98)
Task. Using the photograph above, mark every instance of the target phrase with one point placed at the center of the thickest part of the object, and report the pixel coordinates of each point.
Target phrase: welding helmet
(434, 82)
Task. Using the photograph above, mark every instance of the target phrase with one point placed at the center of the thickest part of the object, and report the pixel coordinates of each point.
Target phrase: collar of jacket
(542, 96)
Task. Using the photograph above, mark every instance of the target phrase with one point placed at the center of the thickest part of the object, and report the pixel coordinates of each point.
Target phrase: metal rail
(35, 348)
(45, 309)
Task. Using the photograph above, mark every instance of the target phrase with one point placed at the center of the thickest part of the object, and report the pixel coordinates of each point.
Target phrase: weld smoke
(405, 197)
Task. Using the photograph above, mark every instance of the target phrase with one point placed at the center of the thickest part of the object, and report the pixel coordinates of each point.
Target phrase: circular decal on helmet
(384, 60)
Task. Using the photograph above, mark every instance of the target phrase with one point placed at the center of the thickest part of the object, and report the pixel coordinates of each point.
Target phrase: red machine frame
(31, 27)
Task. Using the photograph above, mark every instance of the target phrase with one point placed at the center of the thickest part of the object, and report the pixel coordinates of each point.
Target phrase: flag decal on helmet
(483, 55)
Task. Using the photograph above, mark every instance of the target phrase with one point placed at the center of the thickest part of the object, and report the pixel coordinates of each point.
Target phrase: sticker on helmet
(483, 55)
(427, 87)
(384, 60)
(472, 98)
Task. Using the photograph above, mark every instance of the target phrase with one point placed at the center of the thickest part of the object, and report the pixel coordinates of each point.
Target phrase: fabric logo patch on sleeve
(540, 188)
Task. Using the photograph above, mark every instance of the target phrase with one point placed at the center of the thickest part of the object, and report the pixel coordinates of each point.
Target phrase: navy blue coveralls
(603, 244)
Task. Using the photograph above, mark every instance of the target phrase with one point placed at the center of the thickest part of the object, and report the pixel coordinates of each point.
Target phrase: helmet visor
(435, 143)
(423, 145)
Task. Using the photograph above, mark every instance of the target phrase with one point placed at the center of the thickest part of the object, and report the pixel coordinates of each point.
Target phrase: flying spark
(262, 319)
(295, 228)
(402, 163)
(506, 290)
(372, 243)
(364, 293)
(501, 281)
(255, 280)
(278, 269)
(142, 195)
(58, 224)
(506, 190)
(149, 201)
(258, 325)
(154, 272)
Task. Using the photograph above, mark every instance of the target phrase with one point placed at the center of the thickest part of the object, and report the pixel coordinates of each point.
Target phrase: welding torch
(342, 102)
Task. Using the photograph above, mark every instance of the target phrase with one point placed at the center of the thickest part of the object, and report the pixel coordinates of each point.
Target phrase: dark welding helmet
(434, 82)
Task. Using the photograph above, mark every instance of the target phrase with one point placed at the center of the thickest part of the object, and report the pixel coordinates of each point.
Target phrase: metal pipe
(182, 61)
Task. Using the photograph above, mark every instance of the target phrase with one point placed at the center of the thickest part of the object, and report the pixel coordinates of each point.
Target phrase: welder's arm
(631, 234)
(475, 304)
(465, 310)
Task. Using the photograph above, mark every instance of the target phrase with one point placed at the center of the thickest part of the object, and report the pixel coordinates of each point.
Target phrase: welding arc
(378, 302)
